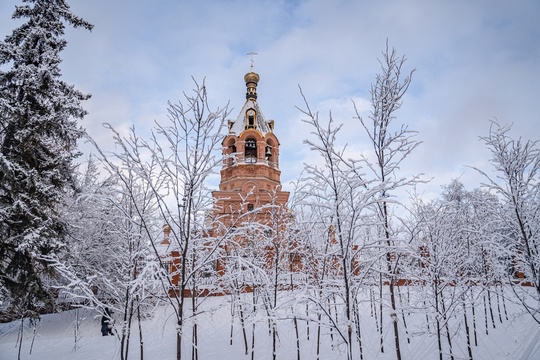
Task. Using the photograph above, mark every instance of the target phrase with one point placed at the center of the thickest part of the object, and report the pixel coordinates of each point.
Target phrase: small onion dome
(251, 77)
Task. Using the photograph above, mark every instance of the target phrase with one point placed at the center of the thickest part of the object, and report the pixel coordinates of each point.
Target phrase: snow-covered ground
(516, 338)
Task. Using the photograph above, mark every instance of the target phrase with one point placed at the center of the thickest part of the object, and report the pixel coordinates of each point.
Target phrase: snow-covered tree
(108, 262)
(174, 164)
(338, 194)
(38, 135)
(462, 262)
(392, 144)
(278, 241)
(442, 266)
(517, 182)
(358, 208)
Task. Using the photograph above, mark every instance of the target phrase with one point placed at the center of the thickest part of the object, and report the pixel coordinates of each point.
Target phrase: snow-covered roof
(239, 125)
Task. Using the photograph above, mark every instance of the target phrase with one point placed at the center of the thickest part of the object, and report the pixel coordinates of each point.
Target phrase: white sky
(475, 60)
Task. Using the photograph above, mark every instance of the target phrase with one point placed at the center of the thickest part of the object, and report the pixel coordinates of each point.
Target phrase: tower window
(251, 151)
(232, 151)
(250, 123)
(250, 207)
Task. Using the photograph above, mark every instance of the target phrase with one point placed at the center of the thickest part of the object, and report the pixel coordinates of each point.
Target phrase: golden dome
(251, 77)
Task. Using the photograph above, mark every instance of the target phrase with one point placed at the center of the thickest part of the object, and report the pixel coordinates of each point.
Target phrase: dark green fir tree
(39, 129)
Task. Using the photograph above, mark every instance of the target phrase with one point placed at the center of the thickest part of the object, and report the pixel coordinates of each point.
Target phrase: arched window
(250, 154)
(268, 153)
(229, 151)
(250, 119)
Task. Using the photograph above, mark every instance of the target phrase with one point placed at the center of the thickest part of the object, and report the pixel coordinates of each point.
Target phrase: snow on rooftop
(239, 125)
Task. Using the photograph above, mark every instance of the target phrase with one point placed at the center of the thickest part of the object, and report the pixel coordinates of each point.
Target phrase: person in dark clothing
(106, 323)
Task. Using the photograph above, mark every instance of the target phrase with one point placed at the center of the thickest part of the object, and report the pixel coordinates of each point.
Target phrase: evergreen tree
(38, 136)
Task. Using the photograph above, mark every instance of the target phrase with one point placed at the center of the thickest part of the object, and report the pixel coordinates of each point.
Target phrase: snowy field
(516, 338)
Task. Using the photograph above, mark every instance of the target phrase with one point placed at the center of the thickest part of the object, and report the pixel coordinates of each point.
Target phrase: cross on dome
(252, 53)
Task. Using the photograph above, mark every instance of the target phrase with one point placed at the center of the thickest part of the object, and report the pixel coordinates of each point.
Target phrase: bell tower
(250, 175)
(249, 194)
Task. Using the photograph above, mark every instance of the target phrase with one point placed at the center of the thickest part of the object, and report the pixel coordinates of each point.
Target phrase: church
(250, 218)
(250, 172)
(250, 189)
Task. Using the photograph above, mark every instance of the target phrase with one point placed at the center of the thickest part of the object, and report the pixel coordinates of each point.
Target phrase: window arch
(229, 151)
(270, 152)
(250, 154)
(251, 119)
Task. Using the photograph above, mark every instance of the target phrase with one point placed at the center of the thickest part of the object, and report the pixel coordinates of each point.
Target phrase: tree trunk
(128, 336)
(194, 305)
(233, 294)
(391, 281)
(403, 315)
(504, 303)
(473, 308)
(381, 312)
(253, 326)
(485, 314)
(307, 322)
(141, 342)
(498, 305)
(437, 317)
(20, 338)
(446, 326)
(318, 336)
(467, 332)
(491, 308)
(357, 323)
(243, 324)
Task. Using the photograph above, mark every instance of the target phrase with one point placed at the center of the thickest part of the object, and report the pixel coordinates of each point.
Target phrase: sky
(475, 61)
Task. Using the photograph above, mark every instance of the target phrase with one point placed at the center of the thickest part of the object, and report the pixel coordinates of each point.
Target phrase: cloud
(474, 60)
